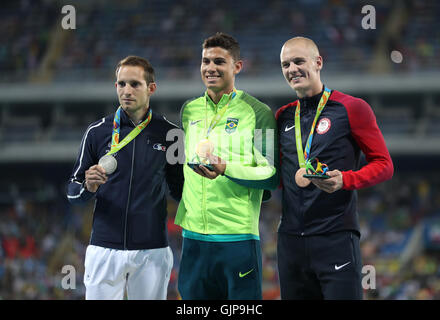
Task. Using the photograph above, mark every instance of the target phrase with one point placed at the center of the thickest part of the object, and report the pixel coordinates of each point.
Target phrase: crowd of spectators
(41, 234)
(389, 214)
(26, 29)
(170, 33)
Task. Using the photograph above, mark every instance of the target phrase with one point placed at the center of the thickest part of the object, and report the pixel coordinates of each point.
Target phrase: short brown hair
(224, 41)
(139, 62)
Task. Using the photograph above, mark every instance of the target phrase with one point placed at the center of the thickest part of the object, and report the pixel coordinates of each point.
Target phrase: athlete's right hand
(95, 176)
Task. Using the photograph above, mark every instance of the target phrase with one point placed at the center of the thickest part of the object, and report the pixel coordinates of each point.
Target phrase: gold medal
(204, 148)
(300, 180)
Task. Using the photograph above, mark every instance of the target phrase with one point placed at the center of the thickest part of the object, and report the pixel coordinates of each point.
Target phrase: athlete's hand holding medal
(205, 163)
(95, 176)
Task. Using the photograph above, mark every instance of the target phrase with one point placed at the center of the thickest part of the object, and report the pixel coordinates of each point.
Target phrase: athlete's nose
(210, 68)
(293, 69)
(128, 91)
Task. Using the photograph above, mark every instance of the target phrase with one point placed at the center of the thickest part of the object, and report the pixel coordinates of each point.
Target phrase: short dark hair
(224, 41)
(139, 62)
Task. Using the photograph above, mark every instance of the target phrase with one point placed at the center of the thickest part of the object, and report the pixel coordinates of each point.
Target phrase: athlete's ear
(238, 65)
(319, 63)
(151, 88)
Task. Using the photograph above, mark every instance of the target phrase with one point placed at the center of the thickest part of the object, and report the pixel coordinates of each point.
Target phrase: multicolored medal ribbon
(303, 155)
(108, 161)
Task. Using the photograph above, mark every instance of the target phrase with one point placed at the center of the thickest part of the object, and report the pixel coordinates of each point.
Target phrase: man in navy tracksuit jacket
(318, 237)
(128, 244)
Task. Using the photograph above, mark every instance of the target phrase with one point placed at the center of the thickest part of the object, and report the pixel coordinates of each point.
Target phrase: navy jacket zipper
(129, 193)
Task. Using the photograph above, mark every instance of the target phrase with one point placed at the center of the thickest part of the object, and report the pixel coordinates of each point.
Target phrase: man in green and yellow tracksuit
(231, 148)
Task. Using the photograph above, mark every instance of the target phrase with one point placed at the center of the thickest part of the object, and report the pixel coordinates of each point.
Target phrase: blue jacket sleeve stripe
(83, 145)
(75, 189)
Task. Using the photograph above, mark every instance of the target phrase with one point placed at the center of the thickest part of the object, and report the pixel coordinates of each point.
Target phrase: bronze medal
(300, 180)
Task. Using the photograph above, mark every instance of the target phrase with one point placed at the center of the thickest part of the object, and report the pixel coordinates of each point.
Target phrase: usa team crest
(323, 125)
(231, 125)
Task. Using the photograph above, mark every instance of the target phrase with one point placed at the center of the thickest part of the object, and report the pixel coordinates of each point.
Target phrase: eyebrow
(295, 59)
(130, 81)
(215, 58)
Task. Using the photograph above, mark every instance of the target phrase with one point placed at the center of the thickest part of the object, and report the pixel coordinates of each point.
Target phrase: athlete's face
(301, 68)
(133, 91)
(218, 69)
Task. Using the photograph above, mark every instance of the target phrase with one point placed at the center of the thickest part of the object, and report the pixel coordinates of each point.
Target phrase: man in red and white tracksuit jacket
(318, 237)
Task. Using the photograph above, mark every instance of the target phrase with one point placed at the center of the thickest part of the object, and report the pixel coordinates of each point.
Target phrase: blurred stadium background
(54, 82)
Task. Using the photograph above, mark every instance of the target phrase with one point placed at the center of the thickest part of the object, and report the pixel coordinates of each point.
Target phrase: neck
(216, 96)
(310, 92)
(138, 115)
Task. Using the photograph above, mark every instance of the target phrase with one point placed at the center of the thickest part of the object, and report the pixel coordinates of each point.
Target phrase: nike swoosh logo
(288, 128)
(241, 275)
(341, 266)
(194, 122)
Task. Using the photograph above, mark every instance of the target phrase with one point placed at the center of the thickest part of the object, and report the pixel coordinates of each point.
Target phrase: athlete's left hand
(329, 185)
(218, 164)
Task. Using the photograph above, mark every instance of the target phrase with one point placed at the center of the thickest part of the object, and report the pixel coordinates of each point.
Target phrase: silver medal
(109, 163)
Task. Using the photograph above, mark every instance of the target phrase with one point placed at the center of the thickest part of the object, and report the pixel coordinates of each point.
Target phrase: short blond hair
(307, 42)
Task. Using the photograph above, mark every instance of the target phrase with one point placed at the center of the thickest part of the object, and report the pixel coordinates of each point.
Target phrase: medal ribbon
(116, 145)
(216, 119)
(304, 155)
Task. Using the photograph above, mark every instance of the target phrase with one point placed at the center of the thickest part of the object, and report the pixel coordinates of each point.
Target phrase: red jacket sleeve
(368, 136)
